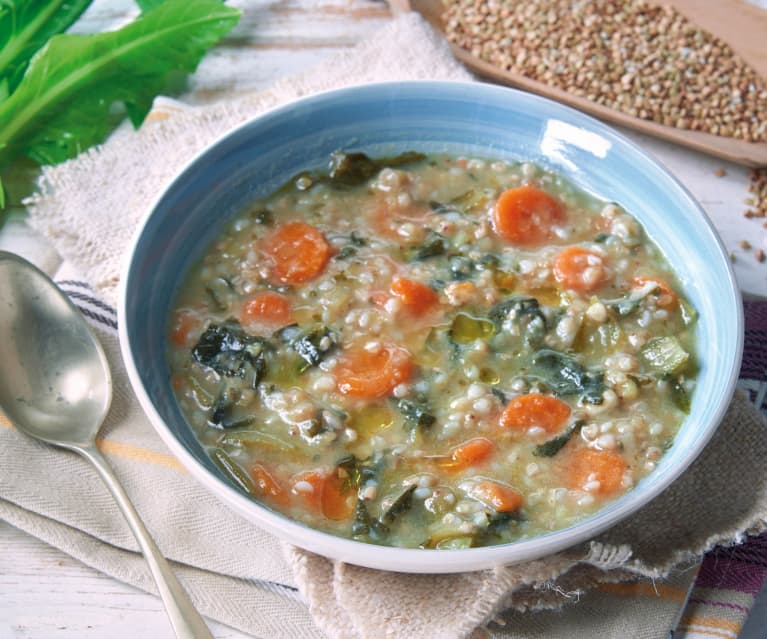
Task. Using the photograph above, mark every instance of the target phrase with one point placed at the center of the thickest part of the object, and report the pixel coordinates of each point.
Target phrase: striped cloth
(730, 578)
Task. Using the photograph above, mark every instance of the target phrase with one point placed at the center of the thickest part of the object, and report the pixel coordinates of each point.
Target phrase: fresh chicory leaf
(148, 5)
(64, 102)
(26, 26)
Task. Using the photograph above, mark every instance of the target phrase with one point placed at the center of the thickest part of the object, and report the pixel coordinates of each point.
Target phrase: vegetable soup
(433, 351)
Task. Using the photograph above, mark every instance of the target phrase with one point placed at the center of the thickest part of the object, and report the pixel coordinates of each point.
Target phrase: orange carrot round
(471, 453)
(534, 409)
(667, 297)
(329, 494)
(524, 215)
(185, 324)
(500, 497)
(578, 269)
(373, 373)
(267, 486)
(298, 253)
(584, 465)
(266, 308)
(417, 298)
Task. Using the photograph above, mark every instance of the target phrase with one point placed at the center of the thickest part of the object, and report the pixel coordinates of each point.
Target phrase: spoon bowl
(56, 387)
(56, 381)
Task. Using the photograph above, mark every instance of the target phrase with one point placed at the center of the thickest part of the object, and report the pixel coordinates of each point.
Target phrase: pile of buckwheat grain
(640, 58)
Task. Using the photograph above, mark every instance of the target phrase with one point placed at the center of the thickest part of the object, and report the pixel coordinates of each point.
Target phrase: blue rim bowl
(472, 119)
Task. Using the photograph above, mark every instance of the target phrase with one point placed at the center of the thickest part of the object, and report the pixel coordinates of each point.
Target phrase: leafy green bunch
(58, 91)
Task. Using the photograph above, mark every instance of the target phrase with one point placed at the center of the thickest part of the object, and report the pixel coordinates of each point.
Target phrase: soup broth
(433, 351)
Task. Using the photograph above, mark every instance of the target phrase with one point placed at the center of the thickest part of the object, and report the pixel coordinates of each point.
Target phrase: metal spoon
(56, 386)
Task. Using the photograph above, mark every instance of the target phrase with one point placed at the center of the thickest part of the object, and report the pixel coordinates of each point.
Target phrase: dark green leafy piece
(362, 520)
(230, 351)
(309, 344)
(627, 305)
(64, 103)
(221, 416)
(679, 394)
(350, 249)
(232, 471)
(353, 169)
(416, 412)
(461, 267)
(553, 446)
(360, 471)
(565, 376)
(433, 246)
(496, 525)
(345, 253)
(264, 216)
(525, 313)
(401, 504)
(443, 208)
(219, 291)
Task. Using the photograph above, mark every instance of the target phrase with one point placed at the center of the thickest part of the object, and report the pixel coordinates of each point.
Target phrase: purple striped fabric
(744, 567)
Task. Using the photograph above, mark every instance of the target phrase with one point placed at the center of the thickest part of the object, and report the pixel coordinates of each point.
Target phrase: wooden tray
(741, 25)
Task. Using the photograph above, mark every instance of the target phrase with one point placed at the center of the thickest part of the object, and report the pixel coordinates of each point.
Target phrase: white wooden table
(45, 593)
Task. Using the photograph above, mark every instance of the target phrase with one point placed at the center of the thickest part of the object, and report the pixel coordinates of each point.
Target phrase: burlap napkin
(88, 208)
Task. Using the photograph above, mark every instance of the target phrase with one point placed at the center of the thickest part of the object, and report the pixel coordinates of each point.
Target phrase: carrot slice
(185, 323)
(415, 296)
(266, 308)
(267, 486)
(534, 409)
(329, 496)
(667, 297)
(471, 453)
(500, 497)
(585, 465)
(579, 270)
(524, 215)
(371, 374)
(298, 253)
(337, 498)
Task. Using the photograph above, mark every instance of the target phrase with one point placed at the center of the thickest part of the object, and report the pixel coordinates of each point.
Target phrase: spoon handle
(186, 621)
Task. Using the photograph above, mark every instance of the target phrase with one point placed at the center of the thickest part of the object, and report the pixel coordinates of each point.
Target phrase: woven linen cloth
(630, 581)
